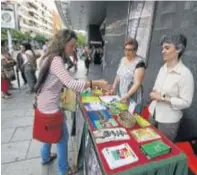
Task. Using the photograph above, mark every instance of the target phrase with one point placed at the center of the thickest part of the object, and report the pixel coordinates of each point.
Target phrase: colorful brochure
(120, 155)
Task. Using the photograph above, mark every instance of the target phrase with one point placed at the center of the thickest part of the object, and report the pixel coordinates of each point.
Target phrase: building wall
(116, 22)
(57, 22)
(179, 17)
(35, 17)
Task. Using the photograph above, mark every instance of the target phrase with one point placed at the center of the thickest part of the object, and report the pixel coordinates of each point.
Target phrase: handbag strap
(40, 86)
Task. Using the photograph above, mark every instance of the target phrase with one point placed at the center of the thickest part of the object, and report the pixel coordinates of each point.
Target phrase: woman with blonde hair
(53, 76)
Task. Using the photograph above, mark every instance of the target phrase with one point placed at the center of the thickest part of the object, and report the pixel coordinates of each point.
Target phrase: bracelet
(90, 84)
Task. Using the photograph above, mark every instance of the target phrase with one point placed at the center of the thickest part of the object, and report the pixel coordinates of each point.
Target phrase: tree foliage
(20, 36)
(81, 39)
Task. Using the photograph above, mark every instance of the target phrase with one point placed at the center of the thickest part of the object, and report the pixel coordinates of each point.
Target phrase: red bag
(48, 127)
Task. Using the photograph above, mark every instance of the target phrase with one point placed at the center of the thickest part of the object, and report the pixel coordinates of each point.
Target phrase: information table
(173, 163)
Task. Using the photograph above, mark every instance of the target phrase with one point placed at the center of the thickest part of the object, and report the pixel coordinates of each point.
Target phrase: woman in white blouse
(174, 87)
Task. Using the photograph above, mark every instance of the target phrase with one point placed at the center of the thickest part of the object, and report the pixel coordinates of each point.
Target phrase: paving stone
(53, 165)
(28, 167)
(22, 133)
(6, 134)
(13, 113)
(16, 122)
(14, 151)
(35, 147)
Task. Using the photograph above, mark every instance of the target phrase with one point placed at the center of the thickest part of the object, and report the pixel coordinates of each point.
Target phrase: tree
(3, 35)
(81, 39)
(40, 38)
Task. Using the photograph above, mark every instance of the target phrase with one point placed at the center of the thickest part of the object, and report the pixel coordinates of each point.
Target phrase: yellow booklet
(90, 99)
(141, 121)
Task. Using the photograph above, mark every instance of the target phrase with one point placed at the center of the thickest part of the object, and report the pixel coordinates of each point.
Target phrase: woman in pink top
(53, 76)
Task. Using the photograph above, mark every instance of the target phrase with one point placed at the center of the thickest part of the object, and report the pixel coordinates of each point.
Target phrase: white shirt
(177, 83)
(25, 59)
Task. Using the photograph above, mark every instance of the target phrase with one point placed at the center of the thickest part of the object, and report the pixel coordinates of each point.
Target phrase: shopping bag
(68, 100)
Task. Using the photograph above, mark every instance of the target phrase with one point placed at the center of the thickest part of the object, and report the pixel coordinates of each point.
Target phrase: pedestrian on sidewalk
(29, 64)
(87, 60)
(7, 71)
(52, 78)
(19, 63)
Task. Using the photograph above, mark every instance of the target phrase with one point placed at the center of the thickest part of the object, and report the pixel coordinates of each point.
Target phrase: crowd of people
(173, 90)
(26, 64)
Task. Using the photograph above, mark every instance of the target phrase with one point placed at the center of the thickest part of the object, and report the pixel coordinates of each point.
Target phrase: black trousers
(23, 76)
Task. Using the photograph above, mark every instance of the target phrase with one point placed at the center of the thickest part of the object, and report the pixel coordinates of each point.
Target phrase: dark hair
(179, 40)
(132, 42)
(27, 45)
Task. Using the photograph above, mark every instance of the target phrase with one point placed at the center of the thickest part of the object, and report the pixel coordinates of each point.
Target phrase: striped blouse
(49, 97)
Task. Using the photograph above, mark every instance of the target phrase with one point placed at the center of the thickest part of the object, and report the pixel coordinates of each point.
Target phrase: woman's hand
(112, 90)
(155, 95)
(124, 99)
(103, 84)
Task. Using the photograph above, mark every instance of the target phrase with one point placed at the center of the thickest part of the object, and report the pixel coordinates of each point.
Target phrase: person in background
(19, 63)
(52, 77)
(174, 87)
(87, 59)
(45, 47)
(44, 50)
(29, 63)
(130, 76)
(7, 71)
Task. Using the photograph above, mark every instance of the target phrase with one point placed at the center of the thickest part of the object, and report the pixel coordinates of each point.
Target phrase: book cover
(110, 99)
(94, 106)
(90, 99)
(144, 134)
(110, 134)
(141, 121)
(105, 124)
(155, 149)
(120, 155)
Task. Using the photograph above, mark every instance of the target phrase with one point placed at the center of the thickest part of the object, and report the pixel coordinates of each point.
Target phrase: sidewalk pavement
(20, 154)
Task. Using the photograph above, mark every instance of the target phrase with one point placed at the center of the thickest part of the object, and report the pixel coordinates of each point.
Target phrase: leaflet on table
(90, 99)
(105, 124)
(94, 106)
(110, 134)
(155, 149)
(141, 121)
(145, 134)
(109, 99)
(120, 155)
(98, 92)
(86, 93)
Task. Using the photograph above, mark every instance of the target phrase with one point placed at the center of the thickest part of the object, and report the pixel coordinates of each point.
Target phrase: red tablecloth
(134, 145)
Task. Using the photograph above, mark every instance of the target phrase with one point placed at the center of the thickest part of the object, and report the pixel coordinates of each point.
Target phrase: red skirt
(5, 85)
